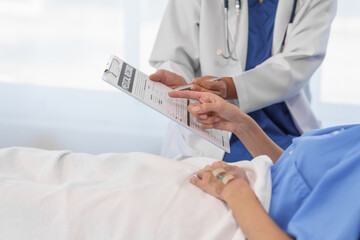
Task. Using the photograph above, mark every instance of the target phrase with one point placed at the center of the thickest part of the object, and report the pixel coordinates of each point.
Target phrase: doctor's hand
(168, 78)
(224, 88)
(213, 112)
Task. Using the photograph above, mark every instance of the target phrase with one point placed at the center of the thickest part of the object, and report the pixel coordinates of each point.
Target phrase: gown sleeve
(332, 211)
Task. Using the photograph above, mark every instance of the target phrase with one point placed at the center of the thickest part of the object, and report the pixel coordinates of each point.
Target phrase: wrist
(243, 123)
(230, 88)
(237, 191)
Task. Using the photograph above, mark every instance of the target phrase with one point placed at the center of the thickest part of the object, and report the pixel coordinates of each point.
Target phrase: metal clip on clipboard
(113, 67)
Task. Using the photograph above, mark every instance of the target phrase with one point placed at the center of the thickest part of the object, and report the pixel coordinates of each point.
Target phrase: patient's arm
(248, 211)
(214, 112)
(251, 216)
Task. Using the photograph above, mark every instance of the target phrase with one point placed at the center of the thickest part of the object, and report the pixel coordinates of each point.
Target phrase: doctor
(265, 51)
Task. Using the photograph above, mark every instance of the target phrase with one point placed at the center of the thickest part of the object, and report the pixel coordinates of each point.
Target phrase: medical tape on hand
(227, 178)
(218, 171)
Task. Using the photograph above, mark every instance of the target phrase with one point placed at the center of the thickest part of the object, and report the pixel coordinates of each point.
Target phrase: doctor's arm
(284, 74)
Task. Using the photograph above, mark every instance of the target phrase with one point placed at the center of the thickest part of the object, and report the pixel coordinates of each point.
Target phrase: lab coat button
(291, 152)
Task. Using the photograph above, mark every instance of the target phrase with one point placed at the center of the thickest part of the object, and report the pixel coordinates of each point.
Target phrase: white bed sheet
(65, 195)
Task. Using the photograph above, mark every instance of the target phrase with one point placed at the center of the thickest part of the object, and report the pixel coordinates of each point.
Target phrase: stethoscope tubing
(226, 11)
(237, 11)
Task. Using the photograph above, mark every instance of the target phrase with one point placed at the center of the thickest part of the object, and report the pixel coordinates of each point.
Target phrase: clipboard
(133, 82)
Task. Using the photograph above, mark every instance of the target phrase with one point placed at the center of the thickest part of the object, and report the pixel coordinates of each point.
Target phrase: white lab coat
(193, 30)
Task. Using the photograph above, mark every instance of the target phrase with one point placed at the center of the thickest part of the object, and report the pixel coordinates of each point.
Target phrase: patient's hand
(212, 111)
(207, 182)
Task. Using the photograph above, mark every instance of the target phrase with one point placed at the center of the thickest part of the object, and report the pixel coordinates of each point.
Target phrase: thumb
(157, 76)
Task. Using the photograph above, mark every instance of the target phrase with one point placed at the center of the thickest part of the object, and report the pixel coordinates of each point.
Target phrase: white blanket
(64, 195)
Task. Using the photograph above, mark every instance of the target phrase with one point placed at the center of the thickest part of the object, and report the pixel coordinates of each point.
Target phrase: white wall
(79, 120)
(52, 55)
(336, 86)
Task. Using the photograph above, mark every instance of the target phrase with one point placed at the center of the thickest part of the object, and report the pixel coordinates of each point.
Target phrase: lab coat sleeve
(284, 74)
(177, 43)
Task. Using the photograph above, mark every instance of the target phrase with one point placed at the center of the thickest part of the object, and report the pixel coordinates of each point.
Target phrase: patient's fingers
(230, 169)
(214, 185)
(203, 97)
(185, 94)
(207, 177)
(209, 183)
(207, 107)
(202, 171)
(221, 125)
(195, 181)
(219, 164)
(207, 120)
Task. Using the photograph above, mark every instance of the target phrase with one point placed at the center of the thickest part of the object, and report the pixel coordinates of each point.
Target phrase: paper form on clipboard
(155, 95)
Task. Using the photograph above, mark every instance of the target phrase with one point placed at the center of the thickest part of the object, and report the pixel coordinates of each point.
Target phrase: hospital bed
(65, 195)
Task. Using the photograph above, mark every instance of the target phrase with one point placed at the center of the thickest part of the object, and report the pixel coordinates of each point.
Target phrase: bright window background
(52, 56)
(67, 43)
(336, 86)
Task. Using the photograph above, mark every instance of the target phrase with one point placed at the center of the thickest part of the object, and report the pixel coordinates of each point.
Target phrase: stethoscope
(237, 13)
(226, 19)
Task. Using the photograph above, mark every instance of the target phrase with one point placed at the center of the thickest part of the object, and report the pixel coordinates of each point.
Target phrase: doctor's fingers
(218, 87)
(210, 85)
(211, 88)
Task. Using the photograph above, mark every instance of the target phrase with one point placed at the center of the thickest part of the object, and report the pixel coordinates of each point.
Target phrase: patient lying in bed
(65, 195)
(314, 188)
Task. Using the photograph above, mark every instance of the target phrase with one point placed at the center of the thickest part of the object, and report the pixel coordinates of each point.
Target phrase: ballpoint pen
(188, 86)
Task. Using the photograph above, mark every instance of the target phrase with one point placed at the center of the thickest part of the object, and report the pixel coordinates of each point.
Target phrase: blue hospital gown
(316, 185)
